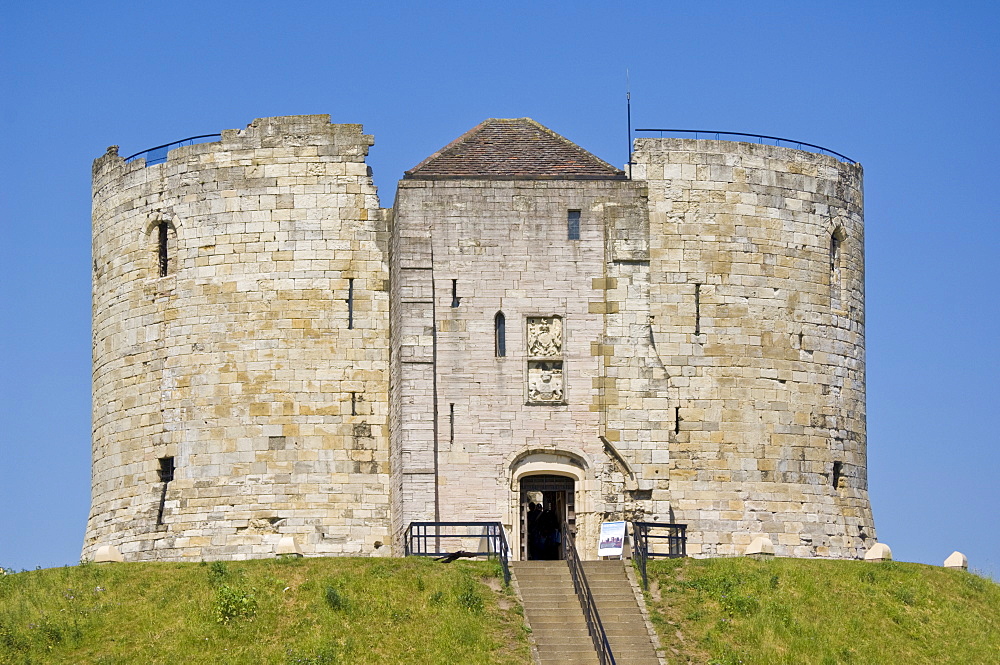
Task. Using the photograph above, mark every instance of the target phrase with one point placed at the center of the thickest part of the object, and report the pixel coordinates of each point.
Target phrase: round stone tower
(757, 313)
(240, 341)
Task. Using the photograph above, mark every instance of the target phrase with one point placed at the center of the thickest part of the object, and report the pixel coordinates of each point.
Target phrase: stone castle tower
(276, 355)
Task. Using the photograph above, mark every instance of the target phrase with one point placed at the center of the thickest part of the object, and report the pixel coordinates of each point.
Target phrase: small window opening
(677, 420)
(166, 469)
(500, 334)
(836, 261)
(166, 473)
(573, 225)
(354, 404)
(163, 256)
(454, 293)
(350, 304)
(835, 243)
(451, 423)
(697, 309)
(838, 470)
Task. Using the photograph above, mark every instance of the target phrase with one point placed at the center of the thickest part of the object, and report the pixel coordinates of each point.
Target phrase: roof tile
(513, 148)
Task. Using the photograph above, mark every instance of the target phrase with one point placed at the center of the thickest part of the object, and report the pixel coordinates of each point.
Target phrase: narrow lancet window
(836, 266)
(163, 255)
(573, 225)
(697, 309)
(838, 475)
(451, 422)
(500, 335)
(454, 293)
(350, 304)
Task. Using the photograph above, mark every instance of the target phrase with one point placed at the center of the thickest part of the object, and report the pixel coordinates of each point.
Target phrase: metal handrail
(760, 138)
(590, 613)
(418, 533)
(676, 538)
(176, 144)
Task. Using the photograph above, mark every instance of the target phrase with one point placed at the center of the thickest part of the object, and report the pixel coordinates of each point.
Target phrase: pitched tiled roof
(514, 148)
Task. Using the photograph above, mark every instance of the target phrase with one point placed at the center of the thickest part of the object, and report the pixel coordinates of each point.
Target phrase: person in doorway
(534, 535)
(548, 527)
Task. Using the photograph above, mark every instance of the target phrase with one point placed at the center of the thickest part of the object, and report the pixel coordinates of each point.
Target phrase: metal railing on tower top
(709, 133)
(158, 154)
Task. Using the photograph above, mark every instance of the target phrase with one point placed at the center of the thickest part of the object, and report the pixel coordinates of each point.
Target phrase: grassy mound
(805, 611)
(304, 611)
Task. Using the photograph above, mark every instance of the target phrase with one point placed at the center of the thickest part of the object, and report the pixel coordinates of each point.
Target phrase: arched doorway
(547, 502)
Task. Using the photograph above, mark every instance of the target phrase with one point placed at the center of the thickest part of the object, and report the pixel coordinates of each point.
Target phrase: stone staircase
(623, 621)
(553, 611)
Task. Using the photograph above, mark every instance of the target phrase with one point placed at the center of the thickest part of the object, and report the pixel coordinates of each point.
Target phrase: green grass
(317, 611)
(808, 611)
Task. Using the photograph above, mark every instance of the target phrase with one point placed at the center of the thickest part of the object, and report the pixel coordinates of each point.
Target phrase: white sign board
(612, 539)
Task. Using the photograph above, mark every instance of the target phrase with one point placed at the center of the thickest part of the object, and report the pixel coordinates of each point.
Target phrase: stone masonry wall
(696, 356)
(758, 325)
(241, 363)
(505, 246)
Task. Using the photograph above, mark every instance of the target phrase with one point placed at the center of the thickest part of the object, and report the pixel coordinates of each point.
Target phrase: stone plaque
(544, 336)
(545, 382)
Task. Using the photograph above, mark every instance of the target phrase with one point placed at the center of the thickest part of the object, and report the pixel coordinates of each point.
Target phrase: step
(566, 657)
(633, 636)
(614, 605)
(637, 627)
(557, 619)
(570, 659)
(552, 603)
(570, 641)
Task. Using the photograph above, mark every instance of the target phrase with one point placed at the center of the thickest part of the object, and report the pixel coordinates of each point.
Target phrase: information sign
(612, 539)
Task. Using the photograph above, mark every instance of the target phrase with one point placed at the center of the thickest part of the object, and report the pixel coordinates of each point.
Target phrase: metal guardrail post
(676, 538)
(639, 532)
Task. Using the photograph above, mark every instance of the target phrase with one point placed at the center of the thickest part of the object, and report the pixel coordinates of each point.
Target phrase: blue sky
(910, 89)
